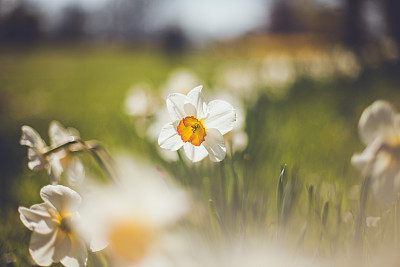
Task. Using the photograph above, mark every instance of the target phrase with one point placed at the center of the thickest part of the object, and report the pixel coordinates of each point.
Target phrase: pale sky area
(215, 19)
(200, 19)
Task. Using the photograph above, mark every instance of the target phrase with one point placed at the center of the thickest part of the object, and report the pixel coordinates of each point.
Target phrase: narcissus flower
(198, 127)
(57, 158)
(379, 130)
(37, 154)
(133, 216)
(54, 228)
(69, 163)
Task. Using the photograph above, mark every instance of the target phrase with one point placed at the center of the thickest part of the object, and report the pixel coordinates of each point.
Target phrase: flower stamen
(191, 130)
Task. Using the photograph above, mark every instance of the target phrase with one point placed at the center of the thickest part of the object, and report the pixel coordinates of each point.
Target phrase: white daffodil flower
(64, 159)
(54, 228)
(55, 162)
(38, 159)
(131, 217)
(198, 127)
(379, 129)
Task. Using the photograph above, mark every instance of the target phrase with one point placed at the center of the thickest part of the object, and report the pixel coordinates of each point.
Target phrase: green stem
(360, 224)
(235, 205)
(222, 186)
(185, 180)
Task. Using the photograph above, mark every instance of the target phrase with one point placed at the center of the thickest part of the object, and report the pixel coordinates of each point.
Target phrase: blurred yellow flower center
(64, 223)
(191, 130)
(130, 240)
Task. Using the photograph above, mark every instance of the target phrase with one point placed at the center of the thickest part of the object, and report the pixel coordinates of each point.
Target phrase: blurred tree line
(128, 20)
(118, 20)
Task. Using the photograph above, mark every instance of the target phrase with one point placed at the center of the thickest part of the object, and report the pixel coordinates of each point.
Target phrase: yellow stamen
(191, 130)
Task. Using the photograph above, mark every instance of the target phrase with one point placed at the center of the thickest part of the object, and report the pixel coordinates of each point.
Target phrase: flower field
(117, 156)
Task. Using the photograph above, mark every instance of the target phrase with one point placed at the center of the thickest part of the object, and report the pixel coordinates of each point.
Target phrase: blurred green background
(311, 127)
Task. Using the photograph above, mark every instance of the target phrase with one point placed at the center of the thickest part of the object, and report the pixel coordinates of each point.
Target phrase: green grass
(313, 131)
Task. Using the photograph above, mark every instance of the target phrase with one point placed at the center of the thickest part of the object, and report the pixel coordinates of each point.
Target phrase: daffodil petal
(41, 248)
(58, 134)
(221, 116)
(196, 97)
(175, 106)
(195, 153)
(31, 138)
(62, 246)
(77, 255)
(169, 138)
(190, 110)
(54, 169)
(36, 160)
(75, 171)
(62, 198)
(360, 161)
(215, 145)
(37, 218)
(97, 244)
(376, 120)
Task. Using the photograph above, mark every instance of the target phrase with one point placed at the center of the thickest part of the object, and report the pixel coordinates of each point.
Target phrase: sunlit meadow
(115, 156)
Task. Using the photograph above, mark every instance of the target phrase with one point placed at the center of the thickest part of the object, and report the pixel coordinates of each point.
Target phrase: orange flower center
(130, 240)
(191, 130)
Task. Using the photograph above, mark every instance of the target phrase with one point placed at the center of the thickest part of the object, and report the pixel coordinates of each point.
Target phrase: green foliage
(313, 131)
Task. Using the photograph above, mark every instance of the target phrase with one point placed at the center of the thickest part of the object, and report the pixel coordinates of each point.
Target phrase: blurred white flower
(37, 154)
(61, 159)
(240, 79)
(132, 216)
(197, 126)
(161, 117)
(139, 102)
(372, 221)
(379, 129)
(179, 81)
(389, 49)
(320, 66)
(55, 237)
(277, 72)
(64, 158)
(346, 62)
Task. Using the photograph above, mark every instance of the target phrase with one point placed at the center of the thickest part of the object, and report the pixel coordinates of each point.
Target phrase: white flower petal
(37, 218)
(221, 116)
(62, 198)
(196, 97)
(77, 256)
(58, 134)
(75, 171)
(169, 138)
(31, 138)
(360, 161)
(175, 106)
(41, 248)
(195, 153)
(54, 168)
(190, 110)
(97, 244)
(215, 145)
(62, 246)
(37, 161)
(376, 120)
